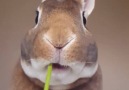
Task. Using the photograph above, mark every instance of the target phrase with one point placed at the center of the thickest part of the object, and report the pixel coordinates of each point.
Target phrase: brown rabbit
(59, 38)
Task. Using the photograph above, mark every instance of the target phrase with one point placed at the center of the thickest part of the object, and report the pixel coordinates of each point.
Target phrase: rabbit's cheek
(76, 52)
(42, 49)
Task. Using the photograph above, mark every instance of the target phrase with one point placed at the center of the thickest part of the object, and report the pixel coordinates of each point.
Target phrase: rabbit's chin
(61, 74)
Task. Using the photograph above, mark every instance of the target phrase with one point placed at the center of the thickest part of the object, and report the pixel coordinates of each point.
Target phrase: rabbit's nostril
(58, 47)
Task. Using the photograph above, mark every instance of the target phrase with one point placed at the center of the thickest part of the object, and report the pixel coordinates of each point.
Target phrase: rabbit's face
(61, 39)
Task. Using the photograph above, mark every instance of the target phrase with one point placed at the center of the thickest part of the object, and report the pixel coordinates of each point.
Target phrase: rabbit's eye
(37, 15)
(84, 19)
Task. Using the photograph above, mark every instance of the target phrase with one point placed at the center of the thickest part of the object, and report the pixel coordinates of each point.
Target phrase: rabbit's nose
(59, 44)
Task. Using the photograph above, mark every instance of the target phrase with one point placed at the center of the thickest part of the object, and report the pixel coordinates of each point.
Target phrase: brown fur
(60, 20)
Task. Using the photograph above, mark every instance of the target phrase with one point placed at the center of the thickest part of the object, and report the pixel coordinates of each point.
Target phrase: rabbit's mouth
(57, 66)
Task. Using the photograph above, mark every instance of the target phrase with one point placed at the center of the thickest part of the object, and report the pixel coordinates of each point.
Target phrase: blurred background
(109, 24)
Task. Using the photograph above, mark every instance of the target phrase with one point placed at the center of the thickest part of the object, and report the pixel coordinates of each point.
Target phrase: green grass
(48, 77)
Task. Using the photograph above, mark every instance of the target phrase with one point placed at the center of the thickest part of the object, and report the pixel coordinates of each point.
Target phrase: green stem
(48, 77)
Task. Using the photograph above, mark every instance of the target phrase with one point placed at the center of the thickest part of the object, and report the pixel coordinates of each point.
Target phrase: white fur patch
(89, 71)
(78, 70)
(35, 70)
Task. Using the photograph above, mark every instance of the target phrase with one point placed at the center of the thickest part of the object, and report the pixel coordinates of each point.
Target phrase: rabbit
(61, 38)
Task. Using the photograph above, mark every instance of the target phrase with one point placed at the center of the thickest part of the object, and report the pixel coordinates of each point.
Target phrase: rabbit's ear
(88, 6)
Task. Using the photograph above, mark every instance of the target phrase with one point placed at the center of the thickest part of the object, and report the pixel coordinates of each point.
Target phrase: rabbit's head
(60, 38)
